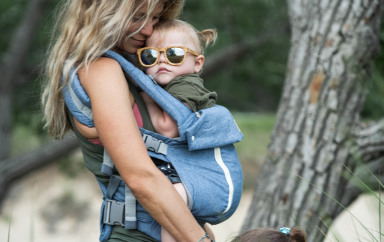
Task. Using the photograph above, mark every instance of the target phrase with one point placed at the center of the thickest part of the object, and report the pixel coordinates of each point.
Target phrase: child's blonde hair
(85, 30)
(201, 39)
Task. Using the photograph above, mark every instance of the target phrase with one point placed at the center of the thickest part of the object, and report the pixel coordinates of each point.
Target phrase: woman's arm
(112, 109)
(162, 122)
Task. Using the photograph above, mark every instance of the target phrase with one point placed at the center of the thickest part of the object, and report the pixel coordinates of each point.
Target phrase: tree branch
(366, 178)
(15, 168)
(368, 154)
(370, 139)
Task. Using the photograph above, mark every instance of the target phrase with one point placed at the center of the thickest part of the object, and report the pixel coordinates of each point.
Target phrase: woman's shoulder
(103, 64)
(100, 69)
(106, 61)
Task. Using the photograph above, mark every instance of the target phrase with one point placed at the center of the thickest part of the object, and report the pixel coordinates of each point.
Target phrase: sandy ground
(48, 206)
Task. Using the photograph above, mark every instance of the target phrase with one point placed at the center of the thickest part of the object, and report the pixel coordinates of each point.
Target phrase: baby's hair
(208, 36)
(272, 235)
(201, 39)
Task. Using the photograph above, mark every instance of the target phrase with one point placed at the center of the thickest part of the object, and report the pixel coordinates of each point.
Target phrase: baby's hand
(146, 98)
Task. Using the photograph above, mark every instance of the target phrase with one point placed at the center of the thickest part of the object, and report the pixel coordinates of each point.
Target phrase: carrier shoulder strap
(77, 101)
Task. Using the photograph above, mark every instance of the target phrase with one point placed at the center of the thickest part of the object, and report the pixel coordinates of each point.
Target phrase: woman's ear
(199, 62)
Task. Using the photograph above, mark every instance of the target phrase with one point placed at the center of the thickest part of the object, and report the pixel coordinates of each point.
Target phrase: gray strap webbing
(113, 210)
(118, 213)
(79, 104)
(107, 166)
(113, 185)
(130, 209)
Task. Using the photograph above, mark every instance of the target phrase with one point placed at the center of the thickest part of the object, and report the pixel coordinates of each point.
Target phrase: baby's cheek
(150, 70)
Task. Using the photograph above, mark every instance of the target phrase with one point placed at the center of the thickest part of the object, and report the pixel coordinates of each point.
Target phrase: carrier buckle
(113, 213)
(155, 145)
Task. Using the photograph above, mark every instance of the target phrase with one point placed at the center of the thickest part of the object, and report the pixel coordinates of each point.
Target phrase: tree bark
(318, 136)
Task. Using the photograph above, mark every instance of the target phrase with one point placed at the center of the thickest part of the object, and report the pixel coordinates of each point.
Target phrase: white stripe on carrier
(220, 161)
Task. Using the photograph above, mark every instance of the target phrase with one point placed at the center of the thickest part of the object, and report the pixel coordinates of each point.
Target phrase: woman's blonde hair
(201, 39)
(85, 30)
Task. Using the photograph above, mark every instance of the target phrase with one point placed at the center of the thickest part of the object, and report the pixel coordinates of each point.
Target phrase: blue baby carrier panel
(204, 155)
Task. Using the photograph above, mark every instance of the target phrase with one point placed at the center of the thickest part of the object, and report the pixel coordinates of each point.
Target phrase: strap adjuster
(113, 213)
(155, 145)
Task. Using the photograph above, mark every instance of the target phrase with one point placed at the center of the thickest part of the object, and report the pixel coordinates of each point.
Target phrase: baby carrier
(203, 156)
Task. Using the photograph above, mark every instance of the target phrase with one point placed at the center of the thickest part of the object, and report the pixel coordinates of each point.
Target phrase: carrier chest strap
(155, 145)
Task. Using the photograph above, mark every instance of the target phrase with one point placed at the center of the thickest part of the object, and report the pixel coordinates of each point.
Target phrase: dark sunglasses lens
(175, 55)
(149, 56)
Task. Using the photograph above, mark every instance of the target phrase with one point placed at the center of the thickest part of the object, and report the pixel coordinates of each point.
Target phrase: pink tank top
(139, 119)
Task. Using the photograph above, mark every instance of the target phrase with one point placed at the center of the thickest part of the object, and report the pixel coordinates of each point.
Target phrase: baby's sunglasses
(174, 55)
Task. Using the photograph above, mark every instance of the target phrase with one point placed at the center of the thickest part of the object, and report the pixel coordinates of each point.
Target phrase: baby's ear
(199, 62)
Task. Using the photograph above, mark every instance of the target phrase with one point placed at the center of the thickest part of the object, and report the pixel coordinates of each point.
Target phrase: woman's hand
(209, 231)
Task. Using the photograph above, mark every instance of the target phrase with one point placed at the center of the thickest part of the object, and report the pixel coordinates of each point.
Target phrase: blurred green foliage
(257, 128)
(253, 82)
(26, 102)
(10, 14)
(374, 103)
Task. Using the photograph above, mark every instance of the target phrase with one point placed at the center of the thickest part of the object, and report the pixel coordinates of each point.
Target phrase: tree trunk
(318, 137)
(5, 124)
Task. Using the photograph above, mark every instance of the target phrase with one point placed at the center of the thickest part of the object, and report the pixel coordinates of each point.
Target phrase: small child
(272, 235)
(174, 58)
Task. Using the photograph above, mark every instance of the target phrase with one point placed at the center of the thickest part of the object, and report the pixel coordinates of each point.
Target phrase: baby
(174, 58)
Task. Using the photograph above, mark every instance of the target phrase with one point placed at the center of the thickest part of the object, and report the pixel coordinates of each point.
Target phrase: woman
(87, 28)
